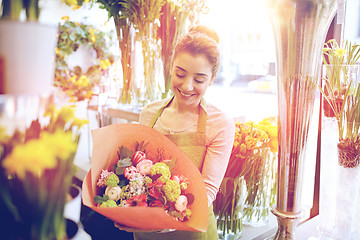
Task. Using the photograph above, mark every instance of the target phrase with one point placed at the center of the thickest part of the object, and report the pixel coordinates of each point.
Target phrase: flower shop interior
(289, 77)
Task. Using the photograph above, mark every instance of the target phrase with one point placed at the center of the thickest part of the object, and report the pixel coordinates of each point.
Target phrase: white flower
(113, 193)
(181, 203)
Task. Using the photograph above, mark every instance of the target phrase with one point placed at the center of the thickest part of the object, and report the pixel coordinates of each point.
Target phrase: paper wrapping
(106, 142)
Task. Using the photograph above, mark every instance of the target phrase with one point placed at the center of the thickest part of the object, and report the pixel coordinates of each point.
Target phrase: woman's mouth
(185, 94)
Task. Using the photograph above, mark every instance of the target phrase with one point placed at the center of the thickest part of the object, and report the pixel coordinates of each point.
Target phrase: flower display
(36, 170)
(251, 168)
(157, 180)
(146, 184)
(341, 90)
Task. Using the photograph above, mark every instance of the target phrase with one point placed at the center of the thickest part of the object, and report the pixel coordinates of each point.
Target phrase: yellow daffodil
(340, 52)
(33, 157)
(61, 143)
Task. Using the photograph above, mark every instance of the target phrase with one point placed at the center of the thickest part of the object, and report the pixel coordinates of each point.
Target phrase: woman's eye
(199, 80)
(180, 75)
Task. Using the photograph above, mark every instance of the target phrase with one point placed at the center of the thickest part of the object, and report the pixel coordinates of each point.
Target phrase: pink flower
(144, 166)
(181, 203)
(129, 172)
(137, 157)
(103, 176)
(182, 180)
(113, 193)
(139, 201)
(155, 189)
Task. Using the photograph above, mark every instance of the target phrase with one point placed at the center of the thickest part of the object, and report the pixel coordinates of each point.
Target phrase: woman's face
(190, 77)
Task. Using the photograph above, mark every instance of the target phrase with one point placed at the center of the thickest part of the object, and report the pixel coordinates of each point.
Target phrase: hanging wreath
(76, 82)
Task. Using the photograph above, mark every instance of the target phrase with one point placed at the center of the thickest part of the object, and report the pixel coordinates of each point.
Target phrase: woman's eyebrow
(180, 68)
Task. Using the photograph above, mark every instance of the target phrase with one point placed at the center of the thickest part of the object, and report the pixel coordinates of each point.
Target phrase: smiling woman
(201, 130)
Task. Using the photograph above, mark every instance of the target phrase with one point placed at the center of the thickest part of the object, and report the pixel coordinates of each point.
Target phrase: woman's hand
(129, 229)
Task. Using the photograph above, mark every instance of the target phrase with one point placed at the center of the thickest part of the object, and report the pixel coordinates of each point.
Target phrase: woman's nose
(187, 84)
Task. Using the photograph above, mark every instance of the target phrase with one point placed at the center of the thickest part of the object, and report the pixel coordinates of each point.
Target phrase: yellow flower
(61, 143)
(83, 81)
(93, 38)
(57, 51)
(105, 64)
(33, 157)
(75, 7)
(88, 94)
(340, 52)
(66, 114)
(71, 2)
(73, 78)
(65, 18)
(86, 1)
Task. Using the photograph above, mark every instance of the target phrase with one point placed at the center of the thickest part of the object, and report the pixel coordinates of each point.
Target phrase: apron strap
(201, 126)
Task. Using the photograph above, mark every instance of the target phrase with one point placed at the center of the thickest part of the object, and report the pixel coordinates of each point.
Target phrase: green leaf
(171, 164)
(98, 199)
(124, 152)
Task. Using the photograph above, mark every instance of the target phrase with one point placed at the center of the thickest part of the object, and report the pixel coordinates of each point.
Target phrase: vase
(300, 28)
(228, 208)
(260, 182)
(27, 50)
(148, 87)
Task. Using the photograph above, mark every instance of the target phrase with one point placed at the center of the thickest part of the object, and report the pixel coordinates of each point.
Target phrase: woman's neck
(184, 109)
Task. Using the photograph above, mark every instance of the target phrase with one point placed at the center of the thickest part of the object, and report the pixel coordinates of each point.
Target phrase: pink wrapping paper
(106, 141)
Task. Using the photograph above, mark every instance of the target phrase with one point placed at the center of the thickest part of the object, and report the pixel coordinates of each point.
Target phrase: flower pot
(27, 52)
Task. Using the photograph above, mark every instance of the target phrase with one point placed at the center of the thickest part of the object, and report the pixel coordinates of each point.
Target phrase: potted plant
(26, 49)
(342, 94)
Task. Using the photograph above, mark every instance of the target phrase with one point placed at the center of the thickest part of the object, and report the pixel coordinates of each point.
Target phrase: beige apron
(194, 145)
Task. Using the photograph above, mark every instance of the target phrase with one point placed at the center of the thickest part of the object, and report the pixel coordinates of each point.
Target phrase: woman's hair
(200, 40)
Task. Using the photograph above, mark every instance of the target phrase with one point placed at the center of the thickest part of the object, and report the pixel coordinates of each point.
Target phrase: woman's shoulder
(217, 115)
(149, 110)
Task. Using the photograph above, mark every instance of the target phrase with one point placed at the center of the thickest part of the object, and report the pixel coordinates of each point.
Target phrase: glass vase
(339, 195)
(228, 207)
(260, 182)
(300, 28)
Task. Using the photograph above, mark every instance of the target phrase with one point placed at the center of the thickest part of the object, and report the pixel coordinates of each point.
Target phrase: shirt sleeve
(217, 155)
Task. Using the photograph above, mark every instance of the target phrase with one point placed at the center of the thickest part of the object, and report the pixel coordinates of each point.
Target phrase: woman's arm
(219, 147)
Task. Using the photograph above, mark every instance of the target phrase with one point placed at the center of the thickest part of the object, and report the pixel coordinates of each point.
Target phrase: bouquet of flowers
(142, 173)
(251, 169)
(136, 180)
(36, 170)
